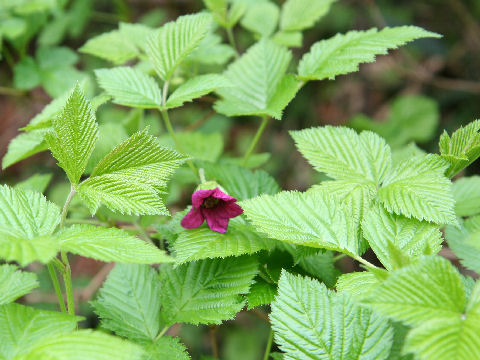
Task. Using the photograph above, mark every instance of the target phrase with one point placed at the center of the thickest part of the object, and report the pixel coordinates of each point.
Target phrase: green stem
(364, 262)
(65, 207)
(255, 140)
(269, 345)
(56, 286)
(162, 332)
(86, 221)
(338, 257)
(231, 40)
(201, 174)
(142, 232)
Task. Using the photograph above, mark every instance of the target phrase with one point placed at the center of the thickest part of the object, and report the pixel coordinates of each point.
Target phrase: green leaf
(411, 118)
(211, 51)
(465, 242)
(261, 293)
(109, 244)
(390, 234)
(261, 86)
(129, 178)
(136, 34)
(312, 219)
(241, 183)
(446, 339)
(112, 46)
(206, 291)
(55, 57)
(298, 15)
(430, 289)
(199, 145)
(341, 153)
(466, 192)
(24, 146)
(129, 302)
(343, 53)
(174, 41)
(166, 348)
(26, 74)
(21, 327)
(131, 87)
(36, 182)
(26, 221)
(194, 88)
(202, 243)
(289, 38)
(417, 187)
(461, 149)
(261, 18)
(74, 135)
(320, 265)
(312, 322)
(359, 285)
(84, 344)
(15, 283)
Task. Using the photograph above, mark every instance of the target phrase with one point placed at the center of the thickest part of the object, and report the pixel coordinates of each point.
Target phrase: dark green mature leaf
(261, 293)
(261, 86)
(343, 53)
(129, 178)
(202, 243)
(109, 244)
(22, 327)
(461, 149)
(74, 136)
(298, 15)
(429, 290)
(129, 302)
(131, 87)
(174, 41)
(15, 283)
(26, 221)
(206, 291)
(312, 322)
(313, 219)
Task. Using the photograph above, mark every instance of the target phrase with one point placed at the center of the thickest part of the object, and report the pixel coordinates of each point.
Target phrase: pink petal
(200, 195)
(231, 210)
(216, 222)
(219, 194)
(193, 219)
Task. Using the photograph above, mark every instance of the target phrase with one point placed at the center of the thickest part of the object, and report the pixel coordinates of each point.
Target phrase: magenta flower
(213, 205)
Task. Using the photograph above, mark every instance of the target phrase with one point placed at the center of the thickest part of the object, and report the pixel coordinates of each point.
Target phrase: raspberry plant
(281, 252)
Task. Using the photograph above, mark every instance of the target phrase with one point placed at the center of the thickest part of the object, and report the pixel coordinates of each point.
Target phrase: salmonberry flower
(214, 206)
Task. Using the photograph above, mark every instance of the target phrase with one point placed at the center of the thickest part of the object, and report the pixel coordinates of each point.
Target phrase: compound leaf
(129, 302)
(312, 322)
(15, 283)
(129, 86)
(174, 41)
(74, 135)
(206, 291)
(109, 244)
(343, 53)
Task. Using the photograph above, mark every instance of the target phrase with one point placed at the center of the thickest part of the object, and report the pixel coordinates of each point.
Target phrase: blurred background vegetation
(408, 96)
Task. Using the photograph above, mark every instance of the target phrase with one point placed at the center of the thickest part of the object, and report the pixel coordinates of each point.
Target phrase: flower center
(210, 202)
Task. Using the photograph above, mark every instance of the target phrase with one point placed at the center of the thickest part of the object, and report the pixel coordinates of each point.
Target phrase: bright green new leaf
(109, 244)
(83, 344)
(343, 53)
(22, 327)
(241, 183)
(260, 84)
(74, 136)
(211, 51)
(26, 221)
(341, 153)
(202, 243)
(131, 87)
(428, 290)
(465, 242)
(206, 291)
(194, 88)
(15, 283)
(298, 15)
(36, 182)
(174, 41)
(461, 149)
(112, 46)
(261, 18)
(261, 293)
(166, 347)
(129, 302)
(466, 192)
(391, 235)
(359, 285)
(129, 178)
(312, 322)
(24, 146)
(136, 34)
(417, 187)
(312, 219)
(289, 38)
